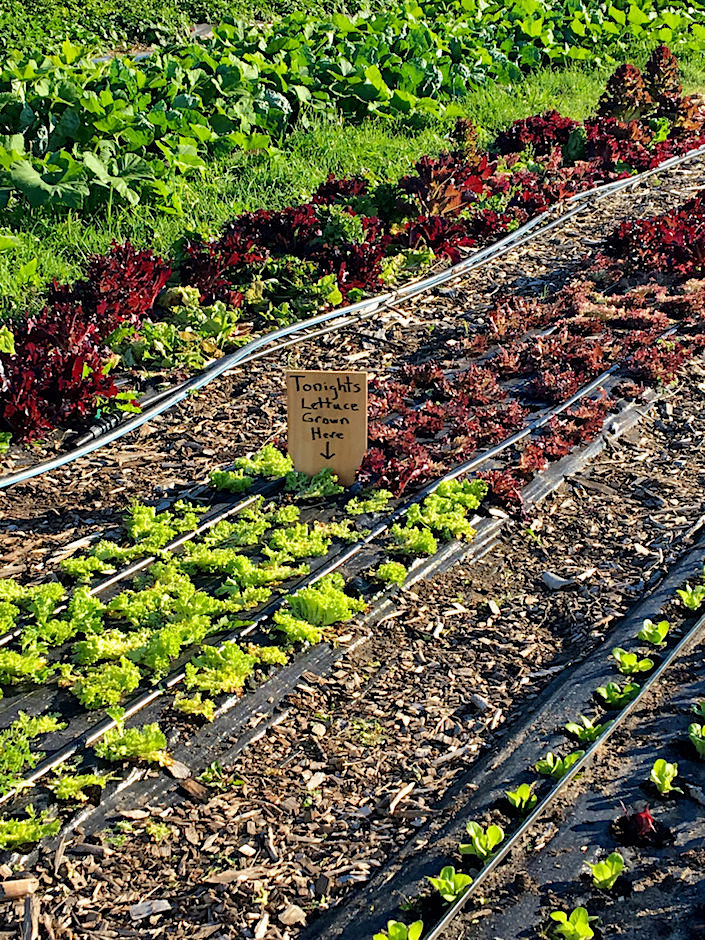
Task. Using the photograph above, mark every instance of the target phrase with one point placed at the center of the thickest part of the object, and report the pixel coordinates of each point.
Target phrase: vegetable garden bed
(360, 727)
(592, 333)
(350, 240)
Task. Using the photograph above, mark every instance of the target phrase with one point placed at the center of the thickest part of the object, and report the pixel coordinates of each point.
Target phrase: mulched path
(359, 762)
(243, 410)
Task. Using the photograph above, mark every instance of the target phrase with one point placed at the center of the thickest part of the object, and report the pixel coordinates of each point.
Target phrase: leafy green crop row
(637, 827)
(138, 634)
(79, 133)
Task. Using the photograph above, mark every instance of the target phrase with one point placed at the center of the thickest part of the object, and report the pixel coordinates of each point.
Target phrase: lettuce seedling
(195, 705)
(73, 786)
(396, 930)
(605, 874)
(368, 502)
(325, 602)
(588, 731)
(629, 664)
(16, 832)
(300, 541)
(392, 572)
(573, 926)
(220, 670)
(450, 883)
(699, 709)
(147, 743)
(30, 666)
(654, 633)
(295, 629)
(556, 767)
(83, 568)
(268, 462)
(483, 842)
(413, 540)
(345, 531)
(16, 755)
(230, 481)
(696, 733)
(268, 655)
(158, 831)
(615, 696)
(107, 684)
(112, 644)
(692, 597)
(320, 486)
(662, 776)
(523, 798)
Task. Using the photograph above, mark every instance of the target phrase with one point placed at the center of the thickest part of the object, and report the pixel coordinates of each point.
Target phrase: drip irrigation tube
(260, 346)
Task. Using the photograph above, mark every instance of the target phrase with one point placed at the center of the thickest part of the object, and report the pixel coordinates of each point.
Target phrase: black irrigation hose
(258, 347)
(449, 916)
(86, 739)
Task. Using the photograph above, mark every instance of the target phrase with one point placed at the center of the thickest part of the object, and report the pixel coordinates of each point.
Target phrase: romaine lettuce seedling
(573, 926)
(588, 731)
(692, 597)
(696, 733)
(662, 776)
(523, 798)
(617, 697)
(556, 767)
(605, 874)
(482, 842)
(654, 633)
(699, 709)
(396, 930)
(450, 883)
(629, 664)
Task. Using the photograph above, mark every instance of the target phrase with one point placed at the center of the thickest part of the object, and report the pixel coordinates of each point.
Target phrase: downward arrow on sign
(328, 455)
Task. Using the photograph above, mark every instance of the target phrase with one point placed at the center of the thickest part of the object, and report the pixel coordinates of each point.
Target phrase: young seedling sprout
(692, 597)
(556, 767)
(450, 884)
(573, 926)
(614, 696)
(662, 776)
(629, 664)
(397, 930)
(482, 842)
(523, 798)
(588, 731)
(606, 873)
(696, 733)
(654, 633)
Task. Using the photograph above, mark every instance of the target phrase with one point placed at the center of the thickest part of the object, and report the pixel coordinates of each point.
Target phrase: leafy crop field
(352, 239)
(163, 201)
(235, 603)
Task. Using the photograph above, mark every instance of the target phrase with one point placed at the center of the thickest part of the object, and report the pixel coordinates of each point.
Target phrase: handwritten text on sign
(327, 421)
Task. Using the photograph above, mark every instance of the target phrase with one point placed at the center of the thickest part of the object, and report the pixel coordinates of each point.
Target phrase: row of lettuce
(80, 132)
(134, 311)
(250, 566)
(637, 828)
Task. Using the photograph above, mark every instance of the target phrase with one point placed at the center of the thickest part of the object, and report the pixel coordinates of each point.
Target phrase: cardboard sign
(327, 421)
